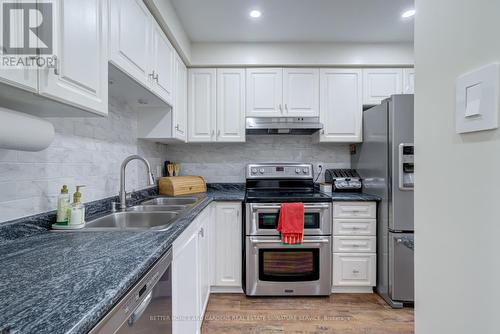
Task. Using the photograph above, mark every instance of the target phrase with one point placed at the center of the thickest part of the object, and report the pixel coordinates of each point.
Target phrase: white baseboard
(226, 289)
(352, 289)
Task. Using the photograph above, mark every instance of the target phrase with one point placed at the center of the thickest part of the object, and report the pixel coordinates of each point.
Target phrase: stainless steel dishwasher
(146, 308)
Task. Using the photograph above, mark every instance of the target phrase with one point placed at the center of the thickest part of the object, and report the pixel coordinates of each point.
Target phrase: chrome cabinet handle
(212, 133)
(54, 65)
(202, 232)
(355, 271)
(218, 133)
(153, 75)
(177, 127)
(286, 107)
(281, 108)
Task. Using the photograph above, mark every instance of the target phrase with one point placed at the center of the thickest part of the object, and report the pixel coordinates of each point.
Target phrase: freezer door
(401, 271)
(400, 132)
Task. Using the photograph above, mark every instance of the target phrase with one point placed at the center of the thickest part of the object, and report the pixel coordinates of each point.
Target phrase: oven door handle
(306, 206)
(319, 241)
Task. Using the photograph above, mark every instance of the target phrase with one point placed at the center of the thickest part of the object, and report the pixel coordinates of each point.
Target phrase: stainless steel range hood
(282, 125)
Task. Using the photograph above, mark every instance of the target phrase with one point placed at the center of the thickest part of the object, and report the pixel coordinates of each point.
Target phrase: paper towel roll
(23, 132)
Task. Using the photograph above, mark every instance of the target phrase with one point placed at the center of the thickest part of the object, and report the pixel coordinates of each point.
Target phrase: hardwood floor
(338, 314)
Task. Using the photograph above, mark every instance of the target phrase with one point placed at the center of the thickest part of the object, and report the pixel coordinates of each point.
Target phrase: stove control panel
(279, 171)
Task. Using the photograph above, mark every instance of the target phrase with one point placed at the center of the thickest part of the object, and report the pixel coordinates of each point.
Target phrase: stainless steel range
(271, 267)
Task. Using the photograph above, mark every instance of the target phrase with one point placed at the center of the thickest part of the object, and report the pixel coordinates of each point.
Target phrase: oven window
(269, 220)
(289, 265)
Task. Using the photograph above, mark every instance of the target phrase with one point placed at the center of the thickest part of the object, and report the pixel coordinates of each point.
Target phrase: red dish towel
(291, 223)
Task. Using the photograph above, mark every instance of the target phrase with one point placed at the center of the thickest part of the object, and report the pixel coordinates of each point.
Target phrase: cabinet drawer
(355, 210)
(354, 244)
(354, 227)
(351, 269)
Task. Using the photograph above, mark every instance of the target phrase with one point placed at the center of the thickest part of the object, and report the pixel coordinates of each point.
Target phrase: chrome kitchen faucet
(123, 193)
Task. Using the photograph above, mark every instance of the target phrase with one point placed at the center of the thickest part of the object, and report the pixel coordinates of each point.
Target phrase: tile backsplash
(85, 151)
(225, 162)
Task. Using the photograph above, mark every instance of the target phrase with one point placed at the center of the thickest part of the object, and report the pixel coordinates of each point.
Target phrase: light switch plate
(477, 100)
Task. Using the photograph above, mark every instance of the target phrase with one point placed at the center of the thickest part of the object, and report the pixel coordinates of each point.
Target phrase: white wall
(225, 162)
(292, 54)
(457, 198)
(85, 151)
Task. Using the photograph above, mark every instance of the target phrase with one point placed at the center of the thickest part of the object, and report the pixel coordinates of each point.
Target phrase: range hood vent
(282, 125)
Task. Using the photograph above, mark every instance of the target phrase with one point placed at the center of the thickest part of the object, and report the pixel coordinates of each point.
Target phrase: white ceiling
(296, 20)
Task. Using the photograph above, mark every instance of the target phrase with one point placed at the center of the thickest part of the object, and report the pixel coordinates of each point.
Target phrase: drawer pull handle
(355, 271)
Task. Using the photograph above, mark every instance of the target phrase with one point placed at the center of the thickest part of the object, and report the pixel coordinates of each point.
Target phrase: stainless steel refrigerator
(385, 162)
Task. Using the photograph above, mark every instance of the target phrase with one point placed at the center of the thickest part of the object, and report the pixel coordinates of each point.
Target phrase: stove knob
(305, 170)
(261, 170)
(297, 170)
(254, 170)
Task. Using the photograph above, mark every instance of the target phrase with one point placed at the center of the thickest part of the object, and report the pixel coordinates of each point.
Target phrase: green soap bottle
(62, 206)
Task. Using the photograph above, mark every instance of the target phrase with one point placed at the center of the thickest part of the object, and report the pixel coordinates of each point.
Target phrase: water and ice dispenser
(406, 166)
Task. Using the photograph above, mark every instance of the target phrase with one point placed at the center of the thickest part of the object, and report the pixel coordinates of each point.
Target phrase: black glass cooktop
(270, 196)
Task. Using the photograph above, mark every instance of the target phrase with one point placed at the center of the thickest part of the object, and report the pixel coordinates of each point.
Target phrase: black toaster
(347, 180)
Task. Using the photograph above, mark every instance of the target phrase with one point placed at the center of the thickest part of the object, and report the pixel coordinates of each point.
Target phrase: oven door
(276, 269)
(262, 218)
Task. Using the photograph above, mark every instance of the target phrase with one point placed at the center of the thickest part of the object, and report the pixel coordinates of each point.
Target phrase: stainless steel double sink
(156, 214)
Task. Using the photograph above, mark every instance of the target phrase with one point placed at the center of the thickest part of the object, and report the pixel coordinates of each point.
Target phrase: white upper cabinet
(231, 105)
(163, 65)
(201, 105)
(409, 81)
(130, 38)
(380, 83)
(301, 92)
(264, 92)
(80, 45)
(341, 106)
(24, 78)
(180, 105)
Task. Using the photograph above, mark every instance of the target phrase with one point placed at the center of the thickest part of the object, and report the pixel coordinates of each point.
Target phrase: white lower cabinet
(354, 269)
(354, 247)
(227, 247)
(191, 275)
(207, 253)
(185, 287)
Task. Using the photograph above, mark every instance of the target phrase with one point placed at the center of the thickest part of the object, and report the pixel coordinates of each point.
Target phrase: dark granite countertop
(339, 196)
(64, 282)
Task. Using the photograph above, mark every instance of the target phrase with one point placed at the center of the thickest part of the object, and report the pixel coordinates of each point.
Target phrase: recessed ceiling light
(408, 13)
(255, 14)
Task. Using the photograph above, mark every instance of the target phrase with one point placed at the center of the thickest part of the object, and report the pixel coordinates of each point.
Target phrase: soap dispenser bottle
(76, 211)
(63, 201)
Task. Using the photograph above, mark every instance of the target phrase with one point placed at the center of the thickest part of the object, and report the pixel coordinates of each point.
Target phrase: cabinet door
(163, 65)
(185, 288)
(201, 105)
(341, 107)
(264, 96)
(130, 39)
(21, 77)
(180, 96)
(409, 81)
(231, 105)
(80, 45)
(301, 92)
(228, 251)
(380, 83)
(354, 269)
(204, 265)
